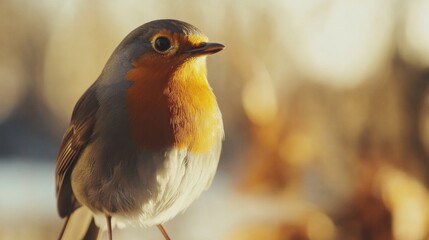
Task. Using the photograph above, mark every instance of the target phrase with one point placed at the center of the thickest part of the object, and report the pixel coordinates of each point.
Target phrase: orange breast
(148, 108)
(173, 107)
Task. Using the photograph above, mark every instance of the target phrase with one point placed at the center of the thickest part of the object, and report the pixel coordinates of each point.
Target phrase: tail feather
(80, 225)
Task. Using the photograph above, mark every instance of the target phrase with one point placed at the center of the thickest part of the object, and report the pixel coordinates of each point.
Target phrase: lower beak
(206, 49)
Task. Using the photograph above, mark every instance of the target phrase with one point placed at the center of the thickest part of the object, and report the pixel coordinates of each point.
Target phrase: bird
(144, 140)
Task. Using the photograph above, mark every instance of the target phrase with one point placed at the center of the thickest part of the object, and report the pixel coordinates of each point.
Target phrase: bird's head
(166, 47)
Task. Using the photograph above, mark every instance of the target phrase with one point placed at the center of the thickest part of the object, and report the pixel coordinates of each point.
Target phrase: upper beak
(206, 49)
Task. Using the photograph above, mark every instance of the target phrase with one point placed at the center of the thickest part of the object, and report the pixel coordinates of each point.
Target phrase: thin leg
(164, 233)
(109, 226)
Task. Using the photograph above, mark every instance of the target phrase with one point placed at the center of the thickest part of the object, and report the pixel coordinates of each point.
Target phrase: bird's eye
(162, 44)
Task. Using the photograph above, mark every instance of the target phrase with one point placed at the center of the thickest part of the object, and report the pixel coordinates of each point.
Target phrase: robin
(144, 140)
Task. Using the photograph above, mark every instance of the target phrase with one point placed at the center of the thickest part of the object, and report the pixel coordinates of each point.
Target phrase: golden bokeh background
(325, 103)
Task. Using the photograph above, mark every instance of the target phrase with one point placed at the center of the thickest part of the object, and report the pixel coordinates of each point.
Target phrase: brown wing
(76, 138)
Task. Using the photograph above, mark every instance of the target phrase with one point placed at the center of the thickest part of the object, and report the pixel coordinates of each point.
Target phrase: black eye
(162, 44)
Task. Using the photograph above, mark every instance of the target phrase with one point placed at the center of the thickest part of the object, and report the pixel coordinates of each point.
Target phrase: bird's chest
(173, 114)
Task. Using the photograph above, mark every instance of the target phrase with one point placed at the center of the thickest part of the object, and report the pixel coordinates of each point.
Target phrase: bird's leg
(164, 233)
(109, 226)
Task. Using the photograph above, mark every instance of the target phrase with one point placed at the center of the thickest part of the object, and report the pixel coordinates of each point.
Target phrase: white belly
(180, 179)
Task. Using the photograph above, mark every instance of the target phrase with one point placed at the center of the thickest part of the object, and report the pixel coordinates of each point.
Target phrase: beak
(206, 49)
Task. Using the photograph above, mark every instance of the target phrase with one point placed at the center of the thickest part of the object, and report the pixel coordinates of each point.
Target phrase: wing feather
(76, 138)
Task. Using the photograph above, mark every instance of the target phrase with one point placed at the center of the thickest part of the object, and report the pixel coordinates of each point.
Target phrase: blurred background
(325, 103)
